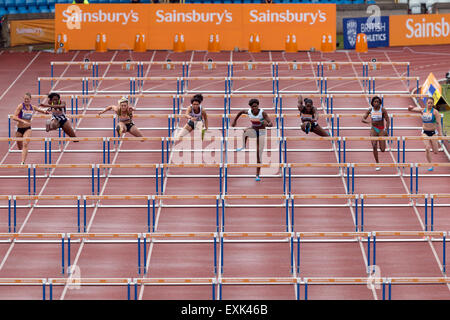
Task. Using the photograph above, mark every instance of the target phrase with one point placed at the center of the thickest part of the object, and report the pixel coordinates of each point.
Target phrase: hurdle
(398, 166)
(432, 207)
(418, 165)
(290, 176)
(12, 205)
(284, 202)
(157, 202)
(227, 166)
(164, 173)
(370, 138)
(337, 281)
(72, 282)
(370, 87)
(423, 235)
(435, 138)
(105, 238)
(304, 138)
(229, 281)
(351, 202)
(331, 237)
(107, 173)
(178, 282)
(413, 201)
(53, 238)
(28, 168)
(192, 237)
(25, 282)
(257, 237)
(410, 281)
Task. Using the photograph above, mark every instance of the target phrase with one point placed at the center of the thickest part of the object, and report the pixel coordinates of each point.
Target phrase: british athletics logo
(376, 30)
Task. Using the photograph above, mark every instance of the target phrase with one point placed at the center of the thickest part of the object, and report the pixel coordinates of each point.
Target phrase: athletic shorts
(61, 119)
(23, 130)
(429, 133)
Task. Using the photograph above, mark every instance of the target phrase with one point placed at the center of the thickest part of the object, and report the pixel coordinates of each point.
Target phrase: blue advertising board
(376, 30)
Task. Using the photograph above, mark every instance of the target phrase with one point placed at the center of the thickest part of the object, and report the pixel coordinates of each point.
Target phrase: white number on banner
(293, 38)
(375, 17)
(211, 38)
(73, 22)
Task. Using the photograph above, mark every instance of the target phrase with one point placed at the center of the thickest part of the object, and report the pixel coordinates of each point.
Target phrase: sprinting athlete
(125, 114)
(378, 116)
(431, 122)
(24, 115)
(260, 121)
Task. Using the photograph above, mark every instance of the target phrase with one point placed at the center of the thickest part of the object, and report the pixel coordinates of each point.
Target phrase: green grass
(446, 115)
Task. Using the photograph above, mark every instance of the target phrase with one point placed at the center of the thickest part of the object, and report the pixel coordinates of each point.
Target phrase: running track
(19, 72)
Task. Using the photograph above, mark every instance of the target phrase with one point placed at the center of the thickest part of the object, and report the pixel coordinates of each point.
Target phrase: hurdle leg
(62, 254)
(292, 216)
(139, 253)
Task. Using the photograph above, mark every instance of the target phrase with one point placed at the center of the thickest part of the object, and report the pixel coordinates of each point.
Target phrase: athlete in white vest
(260, 120)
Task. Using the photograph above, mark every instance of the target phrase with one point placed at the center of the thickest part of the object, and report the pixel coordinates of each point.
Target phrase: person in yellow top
(80, 1)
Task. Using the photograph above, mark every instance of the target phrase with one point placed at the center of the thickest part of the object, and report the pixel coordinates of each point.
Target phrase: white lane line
(18, 77)
(361, 244)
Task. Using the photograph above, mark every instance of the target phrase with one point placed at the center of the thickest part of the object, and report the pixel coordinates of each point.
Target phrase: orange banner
(419, 29)
(24, 32)
(161, 22)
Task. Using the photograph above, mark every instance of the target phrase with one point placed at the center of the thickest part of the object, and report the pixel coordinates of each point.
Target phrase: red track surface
(326, 259)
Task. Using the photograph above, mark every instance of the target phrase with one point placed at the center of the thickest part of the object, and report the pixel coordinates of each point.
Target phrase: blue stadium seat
(44, 9)
(20, 3)
(2, 11)
(31, 6)
(12, 10)
(10, 3)
(51, 3)
(124, 1)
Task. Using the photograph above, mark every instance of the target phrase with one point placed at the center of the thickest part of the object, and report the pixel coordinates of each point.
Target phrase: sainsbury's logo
(73, 16)
(288, 16)
(427, 29)
(194, 16)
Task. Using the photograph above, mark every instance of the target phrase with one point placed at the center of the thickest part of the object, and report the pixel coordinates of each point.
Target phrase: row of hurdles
(278, 100)
(221, 150)
(173, 120)
(181, 84)
(187, 66)
(217, 240)
(219, 203)
(385, 283)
